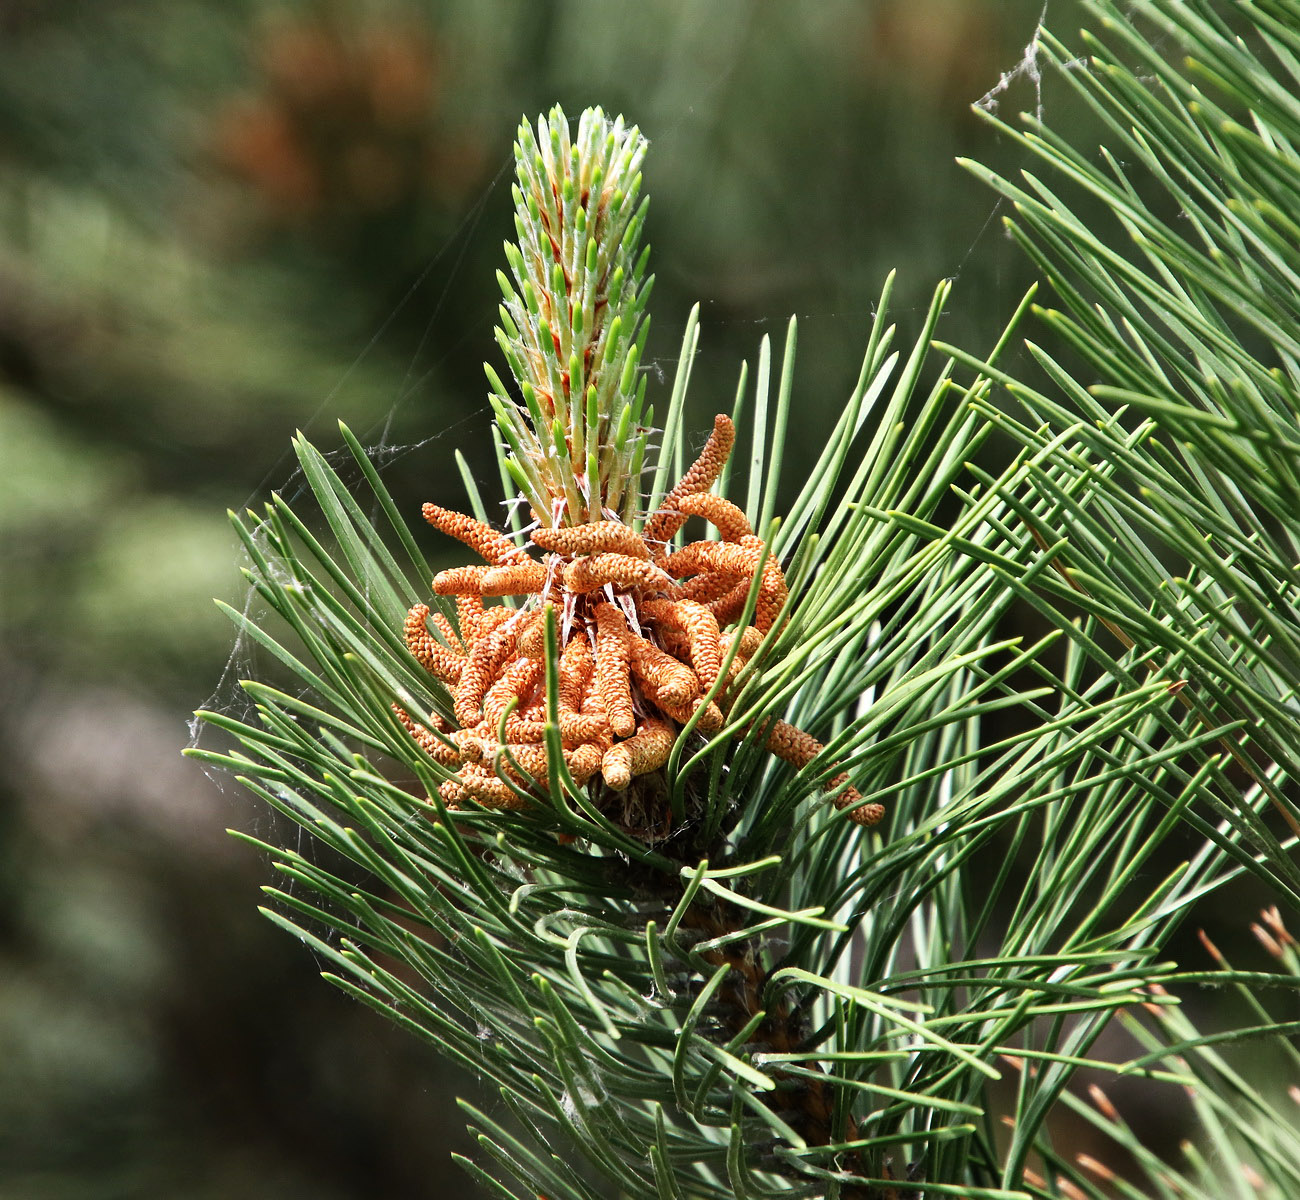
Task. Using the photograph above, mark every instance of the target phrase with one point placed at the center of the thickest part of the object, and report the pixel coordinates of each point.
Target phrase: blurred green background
(224, 220)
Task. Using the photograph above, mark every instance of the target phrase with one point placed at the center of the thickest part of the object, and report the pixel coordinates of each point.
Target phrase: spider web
(246, 659)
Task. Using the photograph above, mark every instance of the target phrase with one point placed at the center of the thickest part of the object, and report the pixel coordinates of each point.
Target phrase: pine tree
(769, 862)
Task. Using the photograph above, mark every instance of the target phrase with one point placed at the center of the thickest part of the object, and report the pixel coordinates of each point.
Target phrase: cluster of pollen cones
(644, 631)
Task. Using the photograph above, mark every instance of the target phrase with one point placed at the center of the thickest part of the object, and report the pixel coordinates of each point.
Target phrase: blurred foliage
(221, 220)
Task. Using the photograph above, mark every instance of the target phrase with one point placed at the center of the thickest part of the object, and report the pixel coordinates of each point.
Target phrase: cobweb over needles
(246, 659)
(1027, 68)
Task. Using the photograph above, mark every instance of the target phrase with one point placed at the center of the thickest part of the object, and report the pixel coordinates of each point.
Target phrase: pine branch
(745, 866)
(1190, 419)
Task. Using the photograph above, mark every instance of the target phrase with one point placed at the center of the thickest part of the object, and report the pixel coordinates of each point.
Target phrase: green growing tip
(572, 327)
